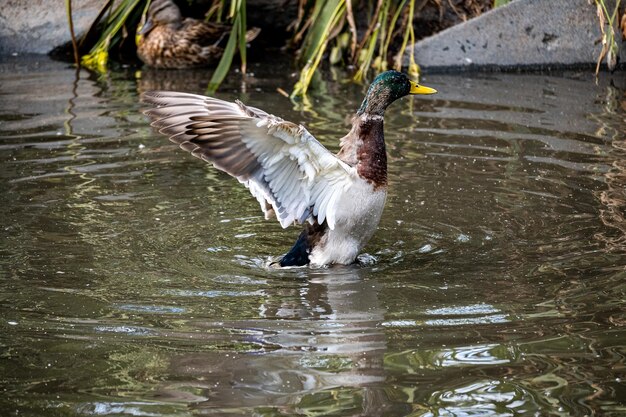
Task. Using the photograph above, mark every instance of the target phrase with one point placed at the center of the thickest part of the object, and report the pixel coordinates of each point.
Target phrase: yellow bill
(420, 89)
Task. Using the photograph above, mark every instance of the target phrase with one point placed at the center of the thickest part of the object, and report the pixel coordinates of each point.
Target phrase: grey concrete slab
(536, 33)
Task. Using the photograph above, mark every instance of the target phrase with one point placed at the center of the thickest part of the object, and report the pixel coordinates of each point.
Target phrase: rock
(37, 26)
(524, 33)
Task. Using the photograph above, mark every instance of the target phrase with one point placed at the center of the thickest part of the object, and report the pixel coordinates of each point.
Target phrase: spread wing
(289, 172)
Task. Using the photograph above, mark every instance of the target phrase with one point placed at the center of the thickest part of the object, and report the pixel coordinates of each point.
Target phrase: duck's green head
(387, 88)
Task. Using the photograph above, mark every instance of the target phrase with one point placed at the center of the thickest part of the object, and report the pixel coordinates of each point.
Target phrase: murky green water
(132, 278)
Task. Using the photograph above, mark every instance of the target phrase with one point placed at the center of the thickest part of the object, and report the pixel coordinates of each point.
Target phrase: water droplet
(463, 238)
(426, 248)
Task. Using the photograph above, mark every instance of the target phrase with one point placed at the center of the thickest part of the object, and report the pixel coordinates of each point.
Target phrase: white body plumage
(358, 213)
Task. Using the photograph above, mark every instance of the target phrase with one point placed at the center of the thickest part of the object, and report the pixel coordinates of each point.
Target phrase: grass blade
(97, 58)
(227, 59)
(70, 21)
(242, 35)
(332, 12)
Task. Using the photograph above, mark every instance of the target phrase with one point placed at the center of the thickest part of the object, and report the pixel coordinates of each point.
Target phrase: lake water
(133, 278)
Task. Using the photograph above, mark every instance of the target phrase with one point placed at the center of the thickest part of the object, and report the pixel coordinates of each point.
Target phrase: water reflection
(484, 398)
(614, 197)
(320, 335)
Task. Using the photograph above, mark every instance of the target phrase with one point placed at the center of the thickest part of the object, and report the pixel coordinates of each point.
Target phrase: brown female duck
(338, 198)
(168, 40)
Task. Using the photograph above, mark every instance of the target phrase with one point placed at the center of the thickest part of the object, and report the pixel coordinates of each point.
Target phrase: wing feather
(285, 168)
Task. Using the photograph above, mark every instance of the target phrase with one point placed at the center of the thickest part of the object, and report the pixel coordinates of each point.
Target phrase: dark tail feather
(299, 253)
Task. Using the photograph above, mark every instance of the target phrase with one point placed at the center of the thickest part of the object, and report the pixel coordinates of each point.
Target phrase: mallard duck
(338, 198)
(167, 40)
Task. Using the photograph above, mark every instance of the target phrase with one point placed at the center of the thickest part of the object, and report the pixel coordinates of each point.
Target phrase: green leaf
(331, 14)
(226, 60)
(236, 41)
(323, 18)
(97, 57)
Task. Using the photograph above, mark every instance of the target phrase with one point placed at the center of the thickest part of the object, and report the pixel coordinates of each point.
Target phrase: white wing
(289, 172)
